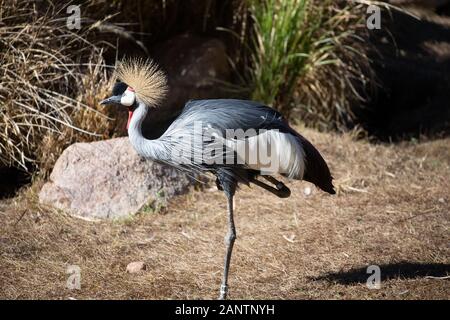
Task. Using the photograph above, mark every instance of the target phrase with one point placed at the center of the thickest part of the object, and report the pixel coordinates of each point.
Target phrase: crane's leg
(229, 242)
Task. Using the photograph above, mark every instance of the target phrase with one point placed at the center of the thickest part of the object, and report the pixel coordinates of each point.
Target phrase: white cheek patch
(128, 97)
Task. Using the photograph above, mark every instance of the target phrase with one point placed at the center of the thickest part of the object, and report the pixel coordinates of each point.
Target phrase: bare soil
(392, 210)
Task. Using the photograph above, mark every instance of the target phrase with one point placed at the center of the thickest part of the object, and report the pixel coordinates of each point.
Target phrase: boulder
(108, 179)
(194, 66)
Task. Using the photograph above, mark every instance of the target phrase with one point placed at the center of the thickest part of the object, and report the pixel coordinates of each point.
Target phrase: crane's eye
(128, 97)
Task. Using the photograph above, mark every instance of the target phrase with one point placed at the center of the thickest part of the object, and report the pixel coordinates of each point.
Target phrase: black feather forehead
(119, 88)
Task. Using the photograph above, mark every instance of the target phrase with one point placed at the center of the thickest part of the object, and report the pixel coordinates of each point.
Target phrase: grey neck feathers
(146, 148)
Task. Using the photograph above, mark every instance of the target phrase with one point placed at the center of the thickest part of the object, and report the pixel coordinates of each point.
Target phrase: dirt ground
(392, 210)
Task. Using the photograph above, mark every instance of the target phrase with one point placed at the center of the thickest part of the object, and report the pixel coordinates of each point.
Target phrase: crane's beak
(111, 100)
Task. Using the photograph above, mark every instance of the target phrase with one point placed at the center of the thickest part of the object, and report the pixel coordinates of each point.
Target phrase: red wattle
(130, 114)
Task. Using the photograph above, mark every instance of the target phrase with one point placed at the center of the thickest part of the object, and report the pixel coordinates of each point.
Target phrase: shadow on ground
(402, 270)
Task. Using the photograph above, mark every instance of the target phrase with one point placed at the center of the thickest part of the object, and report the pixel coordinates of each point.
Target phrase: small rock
(441, 200)
(290, 238)
(307, 191)
(136, 266)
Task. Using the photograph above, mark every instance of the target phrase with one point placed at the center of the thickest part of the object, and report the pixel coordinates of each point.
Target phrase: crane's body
(222, 137)
(295, 156)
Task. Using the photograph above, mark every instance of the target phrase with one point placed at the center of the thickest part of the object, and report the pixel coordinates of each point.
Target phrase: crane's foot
(280, 189)
(223, 292)
(283, 191)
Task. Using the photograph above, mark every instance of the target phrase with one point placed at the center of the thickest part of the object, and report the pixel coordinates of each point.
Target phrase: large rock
(107, 179)
(196, 67)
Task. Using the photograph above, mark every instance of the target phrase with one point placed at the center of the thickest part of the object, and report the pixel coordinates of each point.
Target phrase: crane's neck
(147, 148)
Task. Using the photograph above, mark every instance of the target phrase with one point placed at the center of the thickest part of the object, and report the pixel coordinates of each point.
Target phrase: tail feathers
(316, 169)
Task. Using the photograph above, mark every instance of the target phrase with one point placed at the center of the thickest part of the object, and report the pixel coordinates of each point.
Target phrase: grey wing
(233, 114)
(194, 132)
(224, 114)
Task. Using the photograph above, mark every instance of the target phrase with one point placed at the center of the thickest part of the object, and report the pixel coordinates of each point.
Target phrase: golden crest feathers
(145, 77)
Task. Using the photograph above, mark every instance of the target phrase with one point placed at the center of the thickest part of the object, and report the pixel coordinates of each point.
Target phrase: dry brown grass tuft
(309, 59)
(392, 210)
(51, 79)
(340, 76)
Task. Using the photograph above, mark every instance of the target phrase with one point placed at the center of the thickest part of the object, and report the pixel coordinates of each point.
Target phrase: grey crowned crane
(226, 137)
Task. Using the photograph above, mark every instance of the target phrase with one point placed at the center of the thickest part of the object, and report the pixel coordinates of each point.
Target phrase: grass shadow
(401, 270)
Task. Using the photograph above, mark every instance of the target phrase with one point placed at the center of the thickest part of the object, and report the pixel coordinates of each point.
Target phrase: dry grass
(51, 81)
(392, 209)
(339, 78)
